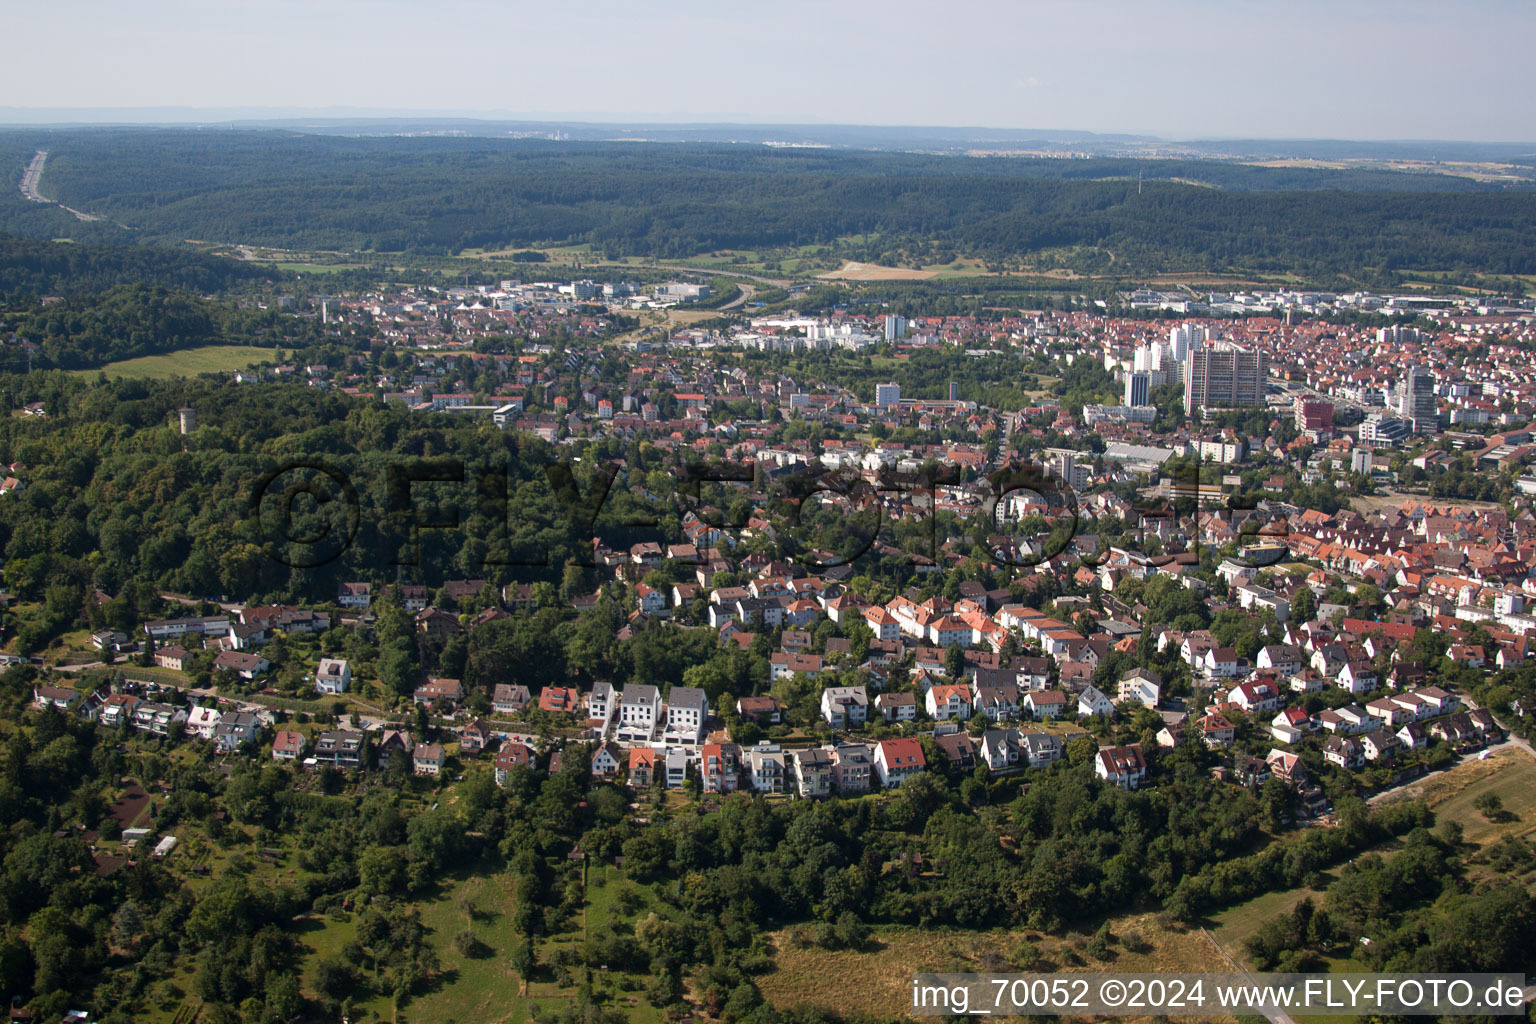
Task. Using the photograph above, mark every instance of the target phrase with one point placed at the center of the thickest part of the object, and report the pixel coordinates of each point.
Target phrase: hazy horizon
(186, 116)
(1358, 70)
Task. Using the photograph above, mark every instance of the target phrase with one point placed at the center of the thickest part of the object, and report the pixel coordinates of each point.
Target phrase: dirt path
(1275, 1016)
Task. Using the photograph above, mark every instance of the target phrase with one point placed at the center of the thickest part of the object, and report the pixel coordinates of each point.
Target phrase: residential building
(639, 709)
(813, 772)
(642, 767)
(898, 760)
(288, 745)
(339, 749)
(235, 730)
(1222, 375)
(720, 767)
(427, 759)
(510, 698)
(844, 707)
(334, 675)
(435, 690)
(687, 711)
(508, 757)
(896, 707)
(1122, 766)
(765, 767)
(948, 701)
(852, 768)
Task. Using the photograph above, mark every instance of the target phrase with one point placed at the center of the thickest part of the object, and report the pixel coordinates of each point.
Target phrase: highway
(32, 175)
(747, 291)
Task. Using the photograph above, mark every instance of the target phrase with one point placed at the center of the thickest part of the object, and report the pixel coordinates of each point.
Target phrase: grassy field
(186, 363)
(483, 988)
(1510, 772)
(878, 981)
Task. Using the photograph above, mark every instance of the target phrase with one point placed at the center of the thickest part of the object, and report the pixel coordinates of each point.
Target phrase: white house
(600, 702)
(1255, 697)
(1093, 702)
(898, 760)
(1221, 663)
(687, 711)
(844, 707)
(1123, 766)
(652, 600)
(1286, 659)
(1000, 748)
(202, 722)
(1045, 703)
(333, 676)
(639, 708)
(896, 707)
(948, 701)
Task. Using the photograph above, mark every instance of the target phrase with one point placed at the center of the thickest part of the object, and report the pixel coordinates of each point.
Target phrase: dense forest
(30, 268)
(128, 321)
(443, 195)
(116, 496)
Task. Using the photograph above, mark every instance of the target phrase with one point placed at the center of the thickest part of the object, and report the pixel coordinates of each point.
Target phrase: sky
(1178, 69)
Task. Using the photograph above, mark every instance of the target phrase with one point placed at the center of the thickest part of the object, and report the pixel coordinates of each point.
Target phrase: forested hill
(111, 485)
(30, 268)
(442, 195)
(138, 320)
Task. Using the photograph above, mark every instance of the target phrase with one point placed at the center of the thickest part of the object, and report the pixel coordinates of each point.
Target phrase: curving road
(747, 291)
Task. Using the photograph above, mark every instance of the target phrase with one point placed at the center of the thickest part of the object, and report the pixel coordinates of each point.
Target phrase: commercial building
(1138, 388)
(1379, 428)
(1314, 415)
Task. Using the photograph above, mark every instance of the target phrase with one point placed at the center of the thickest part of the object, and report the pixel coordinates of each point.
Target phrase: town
(1301, 643)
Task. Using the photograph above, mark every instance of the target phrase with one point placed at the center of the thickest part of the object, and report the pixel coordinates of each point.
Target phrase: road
(187, 599)
(1408, 789)
(32, 175)
(1278, 1017)
(747, 291)
(772, 282)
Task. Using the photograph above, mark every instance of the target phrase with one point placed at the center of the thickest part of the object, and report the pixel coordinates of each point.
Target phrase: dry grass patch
(1510, 773)
(852, 271)
(878, 981)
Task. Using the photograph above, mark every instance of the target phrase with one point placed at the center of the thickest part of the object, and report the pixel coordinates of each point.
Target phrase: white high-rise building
(888, 396)
(895, 327)
(1396, 333)
(1069, 470)
(1185, 337)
